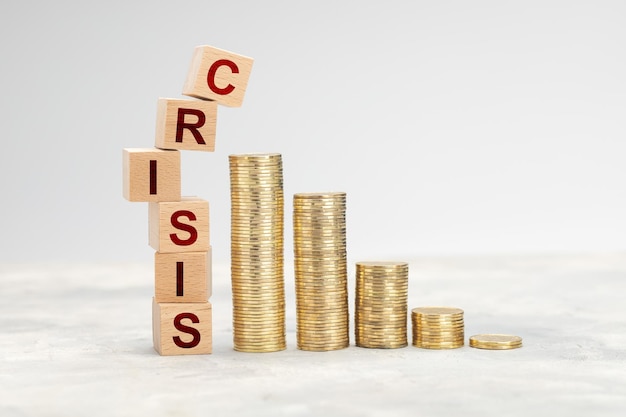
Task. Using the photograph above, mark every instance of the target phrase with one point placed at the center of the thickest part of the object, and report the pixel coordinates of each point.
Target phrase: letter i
(153, 176)
(179, 279)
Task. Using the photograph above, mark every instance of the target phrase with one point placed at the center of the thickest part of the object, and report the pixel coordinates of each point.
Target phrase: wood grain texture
(150, 174)
(216, 74)
(183, 277)
(182, 328)
(186, 124)
(181, 226)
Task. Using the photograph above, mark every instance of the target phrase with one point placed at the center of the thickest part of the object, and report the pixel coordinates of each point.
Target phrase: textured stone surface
(76, 340)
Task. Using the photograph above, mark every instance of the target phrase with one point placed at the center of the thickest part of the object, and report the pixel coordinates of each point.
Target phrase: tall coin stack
(257, 273)
(319, 221)
(381, 304)
(438, 327)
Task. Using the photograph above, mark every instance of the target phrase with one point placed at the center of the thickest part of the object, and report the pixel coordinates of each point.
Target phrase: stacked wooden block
(179, 226)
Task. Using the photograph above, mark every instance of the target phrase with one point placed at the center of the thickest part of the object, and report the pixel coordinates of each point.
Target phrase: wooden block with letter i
(181, 226)
(183, 277)
(151, 174)
(182, 328)
(186, 124)
(218, 75)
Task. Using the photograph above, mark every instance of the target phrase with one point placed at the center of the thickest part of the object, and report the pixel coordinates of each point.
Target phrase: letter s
(186, 329)
(193, 233)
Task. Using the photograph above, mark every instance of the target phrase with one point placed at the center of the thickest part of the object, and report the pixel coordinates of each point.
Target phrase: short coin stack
(495, 341)
(438, 327)
(381, 304)
(257, 273)
(321, 274)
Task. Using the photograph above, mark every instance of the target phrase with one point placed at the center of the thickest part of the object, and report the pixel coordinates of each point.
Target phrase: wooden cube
(183, 277)
(181, 226)
(151, 174)
(182, 328)
(186, 124)
(218, 75)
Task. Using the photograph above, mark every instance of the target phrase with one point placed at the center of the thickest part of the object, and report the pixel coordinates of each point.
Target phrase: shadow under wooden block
(150, 174)
(186, 124)
(218, 75)
(182, 328)
(181, 226)
(183, 277)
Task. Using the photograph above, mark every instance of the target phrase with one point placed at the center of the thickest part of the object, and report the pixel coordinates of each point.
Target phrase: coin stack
(438, 327)
(257, 204)
(381, 304)
(321, 274)
(495, 341)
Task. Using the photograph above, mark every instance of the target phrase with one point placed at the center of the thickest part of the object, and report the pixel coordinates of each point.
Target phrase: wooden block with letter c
(216, 74)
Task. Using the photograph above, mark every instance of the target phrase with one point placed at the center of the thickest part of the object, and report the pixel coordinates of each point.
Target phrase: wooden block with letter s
(181, 226)
(182, 277)
(150, 174)
(216, 74)
(182, 328)
(186, 124)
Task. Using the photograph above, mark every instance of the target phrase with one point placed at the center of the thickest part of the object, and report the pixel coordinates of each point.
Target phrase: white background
(455, 127)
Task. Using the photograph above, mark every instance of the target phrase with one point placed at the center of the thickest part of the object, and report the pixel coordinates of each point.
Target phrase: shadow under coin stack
(438, 327)
(179, 226)
(257, 273)
(381, 304)
(319, 221)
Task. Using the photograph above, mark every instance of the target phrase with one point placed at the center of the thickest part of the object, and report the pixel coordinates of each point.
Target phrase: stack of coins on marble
(319, 221)
(438, 327)
(257, 273)
(381, 304)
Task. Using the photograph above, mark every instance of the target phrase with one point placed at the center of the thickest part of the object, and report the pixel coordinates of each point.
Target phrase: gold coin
(260, 346)
(323, 332)
(438, 347)
(437, 311)
(381, 345)
(241, 331)
(392, 265)
(495, 341)
(323, 341)
(260, 349)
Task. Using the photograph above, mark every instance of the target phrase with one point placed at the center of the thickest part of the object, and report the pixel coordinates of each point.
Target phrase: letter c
(211, 76)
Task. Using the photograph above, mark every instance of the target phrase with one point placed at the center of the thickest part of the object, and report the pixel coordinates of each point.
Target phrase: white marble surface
(75, 340)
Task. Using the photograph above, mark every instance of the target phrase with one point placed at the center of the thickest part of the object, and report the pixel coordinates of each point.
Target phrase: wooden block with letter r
(216, 74)
(181, 226)
(182, 328)
(186, 124)
(182, 277)
(150, 174)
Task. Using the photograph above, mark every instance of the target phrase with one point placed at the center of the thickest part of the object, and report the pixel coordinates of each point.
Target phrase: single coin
(437, 311)
(495, 341)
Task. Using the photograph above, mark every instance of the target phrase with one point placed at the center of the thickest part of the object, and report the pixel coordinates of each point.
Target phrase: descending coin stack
(437, 327)
(495, 341)
(257, 273)
(319, 221)
(179, 226)
(381, 304)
